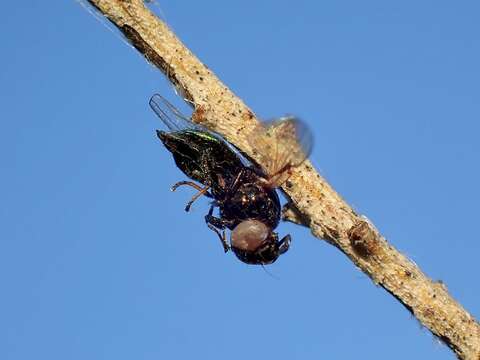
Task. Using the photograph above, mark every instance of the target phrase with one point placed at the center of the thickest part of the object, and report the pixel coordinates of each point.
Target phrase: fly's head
(254, 242)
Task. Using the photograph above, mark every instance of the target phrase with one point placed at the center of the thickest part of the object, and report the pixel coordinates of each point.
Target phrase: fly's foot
(201, 191)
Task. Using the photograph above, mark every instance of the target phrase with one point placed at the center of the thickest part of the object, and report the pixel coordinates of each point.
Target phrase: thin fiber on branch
(314, 202)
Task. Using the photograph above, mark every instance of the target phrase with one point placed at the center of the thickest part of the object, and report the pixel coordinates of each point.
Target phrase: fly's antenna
(269, 273)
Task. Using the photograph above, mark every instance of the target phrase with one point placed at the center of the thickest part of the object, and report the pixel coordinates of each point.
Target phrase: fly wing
(281, 145)
(170, 115)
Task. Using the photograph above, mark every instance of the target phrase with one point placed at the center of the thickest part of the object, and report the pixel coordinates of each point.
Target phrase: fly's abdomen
(200, 155)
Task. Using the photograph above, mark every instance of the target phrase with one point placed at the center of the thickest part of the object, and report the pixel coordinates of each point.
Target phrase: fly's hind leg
(215, 224)
(201, 191)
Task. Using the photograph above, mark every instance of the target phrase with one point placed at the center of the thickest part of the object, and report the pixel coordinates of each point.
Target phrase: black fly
(244, 193)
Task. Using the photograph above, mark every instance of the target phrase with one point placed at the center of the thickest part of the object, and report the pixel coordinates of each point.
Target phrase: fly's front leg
(284, 244)
(216, 224)
(221, 235)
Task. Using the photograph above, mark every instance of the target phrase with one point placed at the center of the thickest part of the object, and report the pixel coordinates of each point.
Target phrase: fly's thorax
(252, 200)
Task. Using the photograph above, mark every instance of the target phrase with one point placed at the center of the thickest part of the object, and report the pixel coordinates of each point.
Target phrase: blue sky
(98, 259)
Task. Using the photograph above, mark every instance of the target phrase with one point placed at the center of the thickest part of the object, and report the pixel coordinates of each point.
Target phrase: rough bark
(314, 202)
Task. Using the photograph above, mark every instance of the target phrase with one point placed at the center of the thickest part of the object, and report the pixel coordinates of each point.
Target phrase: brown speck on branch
(314, 202)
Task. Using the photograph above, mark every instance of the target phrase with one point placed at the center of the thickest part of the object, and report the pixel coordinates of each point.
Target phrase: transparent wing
(169, 114)
(281, 145)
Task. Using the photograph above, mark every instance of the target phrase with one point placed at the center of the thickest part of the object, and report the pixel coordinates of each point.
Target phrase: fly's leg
(204, 191)
(218, 222)
(201, 191)
(189, 183)
(221, 235)
(215, 224)
(233, 188)
(284, 244)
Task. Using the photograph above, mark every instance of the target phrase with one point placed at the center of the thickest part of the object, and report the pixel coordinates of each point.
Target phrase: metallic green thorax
(203, 157)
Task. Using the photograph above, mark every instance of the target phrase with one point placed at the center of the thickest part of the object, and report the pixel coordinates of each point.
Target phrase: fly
(244, 193)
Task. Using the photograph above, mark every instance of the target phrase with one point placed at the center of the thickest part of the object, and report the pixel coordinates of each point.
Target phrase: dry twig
(315, 203)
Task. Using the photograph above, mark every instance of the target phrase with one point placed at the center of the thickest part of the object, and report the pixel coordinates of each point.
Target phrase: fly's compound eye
(249, 235)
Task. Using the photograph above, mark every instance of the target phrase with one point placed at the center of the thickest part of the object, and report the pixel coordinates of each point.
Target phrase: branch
(313, 200)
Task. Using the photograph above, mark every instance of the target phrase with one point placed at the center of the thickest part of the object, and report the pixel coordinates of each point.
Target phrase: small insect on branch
(327, 214)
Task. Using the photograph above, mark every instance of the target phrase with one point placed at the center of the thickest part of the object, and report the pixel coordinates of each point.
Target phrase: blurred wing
(281, 145)
(169, 114)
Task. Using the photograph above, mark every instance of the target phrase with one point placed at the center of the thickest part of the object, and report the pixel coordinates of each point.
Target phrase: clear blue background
(98, 259)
